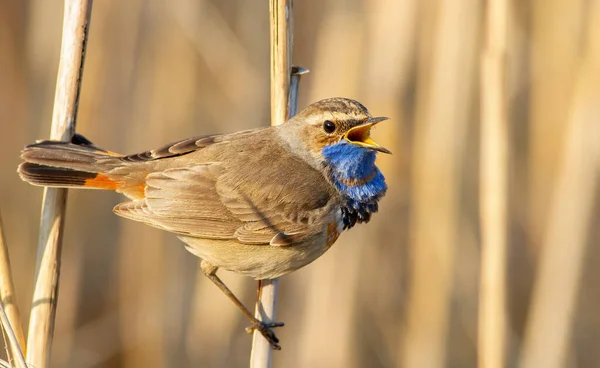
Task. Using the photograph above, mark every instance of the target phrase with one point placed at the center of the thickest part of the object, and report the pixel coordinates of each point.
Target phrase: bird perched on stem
(261, 202)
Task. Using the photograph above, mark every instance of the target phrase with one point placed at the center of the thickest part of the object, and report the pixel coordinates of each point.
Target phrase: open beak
(361, 135)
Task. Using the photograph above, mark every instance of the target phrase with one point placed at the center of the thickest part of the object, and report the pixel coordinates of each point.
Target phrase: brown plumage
(261, 202)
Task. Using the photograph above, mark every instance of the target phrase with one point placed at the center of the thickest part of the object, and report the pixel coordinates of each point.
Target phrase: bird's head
(334, 136)
(335, 124)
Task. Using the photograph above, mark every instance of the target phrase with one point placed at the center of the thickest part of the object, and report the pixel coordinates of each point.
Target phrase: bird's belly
(258, 261)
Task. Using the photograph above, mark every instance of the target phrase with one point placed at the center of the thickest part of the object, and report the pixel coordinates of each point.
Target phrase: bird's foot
(265, 329)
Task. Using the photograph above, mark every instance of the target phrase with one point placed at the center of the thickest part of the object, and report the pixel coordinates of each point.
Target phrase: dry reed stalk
(220, 49)
(554, 59)
(493, 181)
(7, 290)
(555, 297)
(15, 347)
(281, 31)
(41, 324)
(296, 75)
(445, 98)
(6, 349)
(9, 308)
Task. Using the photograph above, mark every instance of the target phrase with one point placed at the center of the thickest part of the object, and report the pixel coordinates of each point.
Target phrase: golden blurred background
(402, 291)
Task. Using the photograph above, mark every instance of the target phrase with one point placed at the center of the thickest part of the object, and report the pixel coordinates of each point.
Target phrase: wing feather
(279, 203)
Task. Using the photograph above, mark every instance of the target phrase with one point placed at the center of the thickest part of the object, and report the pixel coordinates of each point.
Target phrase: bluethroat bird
(261, 202)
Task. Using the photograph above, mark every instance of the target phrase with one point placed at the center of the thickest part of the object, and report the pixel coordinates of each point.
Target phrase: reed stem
(76, 22)
(493, 181)
(281, 30)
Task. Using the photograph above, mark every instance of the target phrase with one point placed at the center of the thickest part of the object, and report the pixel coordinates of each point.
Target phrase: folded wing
(261, 205)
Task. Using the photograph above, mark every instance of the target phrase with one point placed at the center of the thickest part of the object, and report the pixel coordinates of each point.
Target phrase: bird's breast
(352, 171)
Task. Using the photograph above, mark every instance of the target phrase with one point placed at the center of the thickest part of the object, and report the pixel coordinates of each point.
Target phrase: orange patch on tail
(137, 191)
(101, 181)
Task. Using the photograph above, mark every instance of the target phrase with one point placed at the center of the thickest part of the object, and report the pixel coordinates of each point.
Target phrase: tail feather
(78, 157)
(69, 164)
(37, 174)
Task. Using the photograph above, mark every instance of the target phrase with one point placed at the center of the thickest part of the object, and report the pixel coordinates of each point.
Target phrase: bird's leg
(265, 329)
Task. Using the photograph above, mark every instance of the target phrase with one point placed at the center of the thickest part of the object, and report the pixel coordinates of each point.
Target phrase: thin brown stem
(41, 324)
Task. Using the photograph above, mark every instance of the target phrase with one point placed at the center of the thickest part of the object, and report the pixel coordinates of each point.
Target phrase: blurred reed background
(400, 292)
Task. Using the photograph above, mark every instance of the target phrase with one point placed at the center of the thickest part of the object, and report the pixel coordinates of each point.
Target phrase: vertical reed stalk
(9, 308)
(14, 349)
(296, 75)
(443, 101)
(45, 296)
(281, 31)
(493, 181)
(281, 27)
(547, 341)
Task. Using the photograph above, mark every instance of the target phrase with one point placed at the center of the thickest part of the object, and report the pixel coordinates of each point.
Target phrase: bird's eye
(328, 126)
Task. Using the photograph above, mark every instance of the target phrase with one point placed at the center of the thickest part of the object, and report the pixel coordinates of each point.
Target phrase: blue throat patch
(353, 172)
